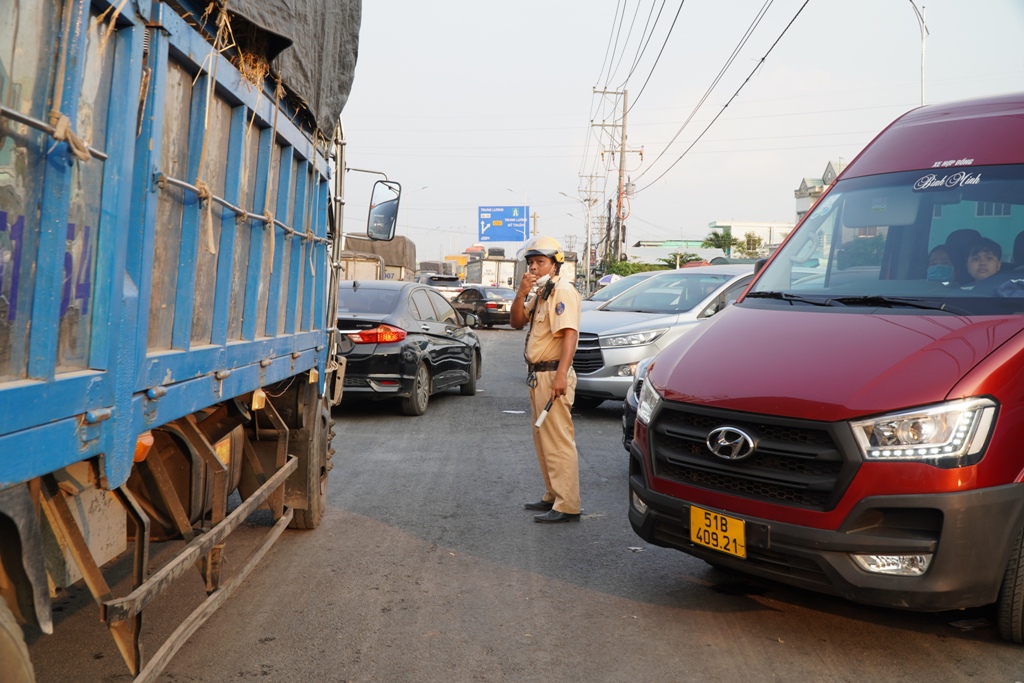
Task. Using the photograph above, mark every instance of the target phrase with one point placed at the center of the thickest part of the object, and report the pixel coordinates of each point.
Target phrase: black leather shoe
(540, 506)
(556, 517)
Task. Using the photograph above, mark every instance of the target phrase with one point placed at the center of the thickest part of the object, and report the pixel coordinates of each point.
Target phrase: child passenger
(983, 261)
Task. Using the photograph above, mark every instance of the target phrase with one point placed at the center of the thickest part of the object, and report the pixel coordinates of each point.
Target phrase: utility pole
(588, 262)
(924, 33)
(616, 235)
(622, 175)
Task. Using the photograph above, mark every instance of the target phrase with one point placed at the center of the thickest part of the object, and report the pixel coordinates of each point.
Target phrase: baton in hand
(543, 414)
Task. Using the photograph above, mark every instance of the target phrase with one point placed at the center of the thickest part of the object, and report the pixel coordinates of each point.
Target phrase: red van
(854, 424)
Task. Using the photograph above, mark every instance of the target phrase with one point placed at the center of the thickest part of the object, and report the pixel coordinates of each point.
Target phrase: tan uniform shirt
(561, 311)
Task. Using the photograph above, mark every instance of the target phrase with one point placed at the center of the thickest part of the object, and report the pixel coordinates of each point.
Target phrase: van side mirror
(759, 264)
(380, 225)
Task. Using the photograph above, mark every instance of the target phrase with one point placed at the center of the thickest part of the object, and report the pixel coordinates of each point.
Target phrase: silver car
(643, 320)
(614, 289)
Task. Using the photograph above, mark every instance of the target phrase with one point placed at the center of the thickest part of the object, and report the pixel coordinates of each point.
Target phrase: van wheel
(416, 404)
(1010, 606)
(13, 653)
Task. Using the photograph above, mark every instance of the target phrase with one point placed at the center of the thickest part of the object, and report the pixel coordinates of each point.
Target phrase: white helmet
(543, 246)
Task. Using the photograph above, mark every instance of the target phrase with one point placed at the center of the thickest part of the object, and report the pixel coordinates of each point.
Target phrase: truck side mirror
(380, 225)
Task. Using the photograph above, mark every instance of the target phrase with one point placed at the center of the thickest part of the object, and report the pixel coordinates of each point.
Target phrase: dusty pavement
(426, 568)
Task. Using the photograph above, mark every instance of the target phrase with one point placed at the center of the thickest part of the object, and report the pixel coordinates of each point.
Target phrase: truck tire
(1010, 606)
(321, 436)
(469, 388)
(16, 666)
(419, 397)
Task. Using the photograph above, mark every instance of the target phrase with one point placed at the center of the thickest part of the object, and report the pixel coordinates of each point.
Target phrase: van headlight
(649, 400)
(951, 434)
(632, 339)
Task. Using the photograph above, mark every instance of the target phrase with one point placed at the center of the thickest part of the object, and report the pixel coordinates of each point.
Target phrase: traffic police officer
(552, 307)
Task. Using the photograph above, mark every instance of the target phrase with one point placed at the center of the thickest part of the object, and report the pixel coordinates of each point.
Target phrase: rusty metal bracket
(120, 609)
(276, 501)
(124, 632)
(218, 509)
(199, 616)
(154, 474)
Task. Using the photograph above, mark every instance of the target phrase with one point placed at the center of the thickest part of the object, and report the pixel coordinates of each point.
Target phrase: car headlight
(640, 374)
(951, 434)
(632, 339)
(649, 400)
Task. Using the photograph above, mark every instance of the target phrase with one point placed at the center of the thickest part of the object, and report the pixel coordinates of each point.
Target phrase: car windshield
(366, 299)
(499, 293)
(949, 240)
(619, 286)
(670, 293)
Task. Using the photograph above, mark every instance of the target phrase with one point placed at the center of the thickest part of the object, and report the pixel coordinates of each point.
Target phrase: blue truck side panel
(53, 416)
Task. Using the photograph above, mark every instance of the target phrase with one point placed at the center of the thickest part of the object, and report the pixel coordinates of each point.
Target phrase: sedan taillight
(382, 334)
(491, 304)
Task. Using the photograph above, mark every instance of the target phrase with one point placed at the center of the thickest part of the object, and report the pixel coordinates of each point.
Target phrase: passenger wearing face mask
(940, 265)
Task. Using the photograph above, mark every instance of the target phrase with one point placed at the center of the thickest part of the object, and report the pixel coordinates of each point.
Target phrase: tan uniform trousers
(555, 442)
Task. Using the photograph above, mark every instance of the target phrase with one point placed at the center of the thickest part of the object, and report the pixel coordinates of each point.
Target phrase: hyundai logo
(730, 443)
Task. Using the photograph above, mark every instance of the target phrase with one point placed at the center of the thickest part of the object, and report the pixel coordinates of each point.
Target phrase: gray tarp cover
(319, 64)
(400, 251)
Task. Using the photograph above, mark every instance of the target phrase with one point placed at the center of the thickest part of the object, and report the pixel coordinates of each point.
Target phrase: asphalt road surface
(427, 568)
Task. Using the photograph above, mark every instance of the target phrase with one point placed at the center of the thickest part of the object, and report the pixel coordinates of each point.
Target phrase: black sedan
(491, 305)
(403, 340)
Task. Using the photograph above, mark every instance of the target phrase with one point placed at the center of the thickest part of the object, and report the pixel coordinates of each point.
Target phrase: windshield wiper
(792, 298)
(892, 302)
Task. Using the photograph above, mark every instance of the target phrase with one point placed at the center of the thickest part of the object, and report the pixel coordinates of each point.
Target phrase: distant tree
(863, 251)
(624, 268)
(752, 246)
(677, 258)
(720, 240)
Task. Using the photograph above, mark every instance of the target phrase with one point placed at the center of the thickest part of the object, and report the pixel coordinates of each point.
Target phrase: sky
(730, 103)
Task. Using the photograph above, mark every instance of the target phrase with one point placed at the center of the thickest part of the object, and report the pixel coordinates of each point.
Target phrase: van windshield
(950, 239)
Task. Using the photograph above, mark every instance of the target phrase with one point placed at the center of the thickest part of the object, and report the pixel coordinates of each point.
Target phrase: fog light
(627, 370)
(640, 505)
(894, 565)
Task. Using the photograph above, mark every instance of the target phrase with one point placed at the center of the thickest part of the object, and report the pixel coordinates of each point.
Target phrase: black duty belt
(543, 366)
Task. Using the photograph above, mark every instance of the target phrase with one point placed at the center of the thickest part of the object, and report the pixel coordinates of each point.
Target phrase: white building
(770, 233)
(812, 188)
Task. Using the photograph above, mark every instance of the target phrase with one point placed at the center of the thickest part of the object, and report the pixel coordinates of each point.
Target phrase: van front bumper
(969, 535)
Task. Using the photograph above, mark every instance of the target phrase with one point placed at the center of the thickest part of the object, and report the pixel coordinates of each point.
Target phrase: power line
(613, 39)
(734, 96)
(660, 52)
(642, 47)
(715, 82)
(626, 41)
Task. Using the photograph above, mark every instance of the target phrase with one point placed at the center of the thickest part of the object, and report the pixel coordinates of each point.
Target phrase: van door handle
(425, 328)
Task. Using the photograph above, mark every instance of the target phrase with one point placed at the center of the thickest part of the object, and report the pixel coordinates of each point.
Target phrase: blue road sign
(503, 223)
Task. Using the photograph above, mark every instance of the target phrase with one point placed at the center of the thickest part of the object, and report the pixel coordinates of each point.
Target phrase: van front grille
(799, 463)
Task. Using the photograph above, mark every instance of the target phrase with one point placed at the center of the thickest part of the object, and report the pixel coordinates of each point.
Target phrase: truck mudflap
(968, 535)
(25, 557)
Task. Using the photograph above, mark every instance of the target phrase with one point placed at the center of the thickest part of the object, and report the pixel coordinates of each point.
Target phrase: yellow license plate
(718, 532)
